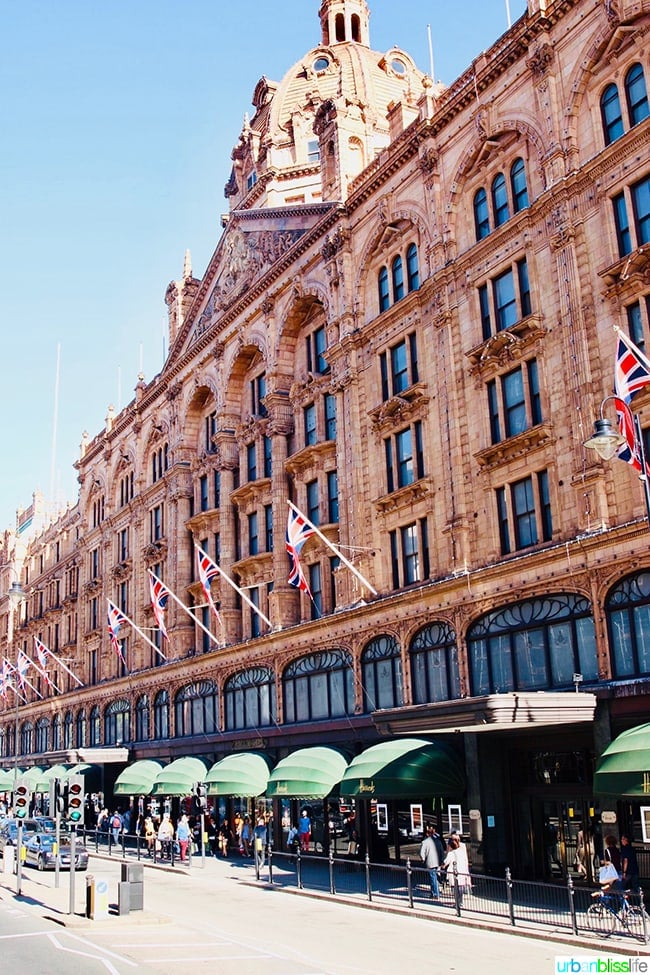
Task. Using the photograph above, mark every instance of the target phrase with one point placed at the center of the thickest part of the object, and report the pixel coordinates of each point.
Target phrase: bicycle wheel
(633, 920)
(600, 919)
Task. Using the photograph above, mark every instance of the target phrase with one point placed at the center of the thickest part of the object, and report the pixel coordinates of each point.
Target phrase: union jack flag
(628, 452)
(22, 666)
(5, 678)
(298, 531)
(631, 369)
(208, 570)
(159, 599)
(43, 655)
(115, 620)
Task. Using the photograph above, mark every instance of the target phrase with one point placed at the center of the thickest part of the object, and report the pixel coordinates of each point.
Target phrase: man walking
(432, 853)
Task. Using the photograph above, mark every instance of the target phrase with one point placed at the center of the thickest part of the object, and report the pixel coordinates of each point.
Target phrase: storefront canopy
(245, 774)
(7, 778)
(31, 776)
(179, 777)
(137, 779)
(54, 772)
(405, 768)
(309, 773)
(624, 767)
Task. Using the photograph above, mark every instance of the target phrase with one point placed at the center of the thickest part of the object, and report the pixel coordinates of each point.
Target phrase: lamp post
(606, 441)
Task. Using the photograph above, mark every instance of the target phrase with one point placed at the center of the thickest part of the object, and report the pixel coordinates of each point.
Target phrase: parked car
(39, 852)
(9, 831)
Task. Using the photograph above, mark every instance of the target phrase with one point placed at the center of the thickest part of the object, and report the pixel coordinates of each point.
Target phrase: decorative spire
(344, 21)
(187, 266)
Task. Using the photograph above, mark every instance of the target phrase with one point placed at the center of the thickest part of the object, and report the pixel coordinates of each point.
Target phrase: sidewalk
(40, 895)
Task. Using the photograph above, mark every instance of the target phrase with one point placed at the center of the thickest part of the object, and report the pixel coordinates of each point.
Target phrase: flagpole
(334, 549)
(237, 589)
(185, 608)
(67, 669)
(643, 476)
(138, 630)
(45, 675)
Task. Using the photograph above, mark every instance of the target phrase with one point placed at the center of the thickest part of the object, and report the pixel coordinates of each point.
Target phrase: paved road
(217, 919)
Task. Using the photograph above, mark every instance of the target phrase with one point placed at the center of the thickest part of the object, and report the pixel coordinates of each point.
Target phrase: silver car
(40, 852)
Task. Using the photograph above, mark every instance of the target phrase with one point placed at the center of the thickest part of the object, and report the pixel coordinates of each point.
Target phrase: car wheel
(41, 863)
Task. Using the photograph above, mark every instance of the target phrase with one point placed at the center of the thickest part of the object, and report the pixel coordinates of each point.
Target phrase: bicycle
(612, 911)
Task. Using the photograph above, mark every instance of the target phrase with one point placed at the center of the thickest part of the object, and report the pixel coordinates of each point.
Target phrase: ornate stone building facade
(406, 330)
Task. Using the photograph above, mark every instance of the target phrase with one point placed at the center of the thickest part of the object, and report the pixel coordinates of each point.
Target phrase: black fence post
(572, 905)
(644, 916)
(299, 868)
(270, 864)
(456, 888)
(330, 858)
(368, 883)
(511, 905)
(409, 881)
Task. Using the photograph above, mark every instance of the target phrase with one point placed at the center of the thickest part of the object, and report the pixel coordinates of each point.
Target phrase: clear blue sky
(117, 119)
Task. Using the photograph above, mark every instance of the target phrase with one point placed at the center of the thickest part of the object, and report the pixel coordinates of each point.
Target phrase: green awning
(309, 773)
(32, 776)
(137, 779)
(55, 772)
(7, 778)
(179, 777)
(81, 769)
(244, 774)
(405, 768)
(624, 766)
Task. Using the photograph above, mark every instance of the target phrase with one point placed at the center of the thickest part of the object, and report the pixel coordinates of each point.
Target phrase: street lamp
(606, 440)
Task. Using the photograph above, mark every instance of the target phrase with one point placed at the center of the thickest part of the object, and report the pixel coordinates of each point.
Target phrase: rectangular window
(94, 563)
(404, 457)
(256, 619)
(268, 456)
(123, 545)
(217, 489)
(204, 500)
(313, 151)
(253, 534)
(157, 523)
(258, 392)
(409, 547)
(309, 417)
(316, 345)
(332, 497)
(316, 586)
(506, 301)
(493, 411)
(329, 402)
(268, 527)
(524, 513)
(251, 461)
(641, 207)
(399, 367)
(638, 321)
(622, 224)
(210, 432)
(312, 502)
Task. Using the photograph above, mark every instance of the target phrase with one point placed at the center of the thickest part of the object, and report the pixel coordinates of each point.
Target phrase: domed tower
(332, 113)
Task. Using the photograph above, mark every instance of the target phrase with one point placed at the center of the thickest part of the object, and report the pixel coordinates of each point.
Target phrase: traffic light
(75, 798)
(200, 797)
(22, 798)
(60, 796)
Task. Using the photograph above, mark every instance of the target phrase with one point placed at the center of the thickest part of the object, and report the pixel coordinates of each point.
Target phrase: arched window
(142, 718)
(27, 738)
(56, 733)
(412, 268)
(42, 735)
(434, 664)
(636, 94)
(628, 617)
(95, 729)
(196, 710)
(161, 716)
(81, 729)
(534, 645)
(68, 730)
(397, 271)
(3, 744)
(384, 297)
(500, 204)
(481, 214)
(381, 666)
(249, 699)
(610, 109)
(318, 687)
(518, 185)
(117, 723)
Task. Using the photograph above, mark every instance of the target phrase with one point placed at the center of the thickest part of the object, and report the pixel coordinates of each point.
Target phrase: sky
(117, 121)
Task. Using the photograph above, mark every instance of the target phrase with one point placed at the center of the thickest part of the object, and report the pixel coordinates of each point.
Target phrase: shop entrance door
(556, 839)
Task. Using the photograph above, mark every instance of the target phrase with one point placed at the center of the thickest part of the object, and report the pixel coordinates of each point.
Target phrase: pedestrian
(629, 865)
(246, 837)
(260, 839)
(237, 824)
(149, 835)
(165, 837)
(126, 821)
(183, 836)
(211, 833)
(293, 839)
(103, 822)
(350, 829)
(224, 837)
(432, 854)
(116, 826)
(456, 863)
(304, 830)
